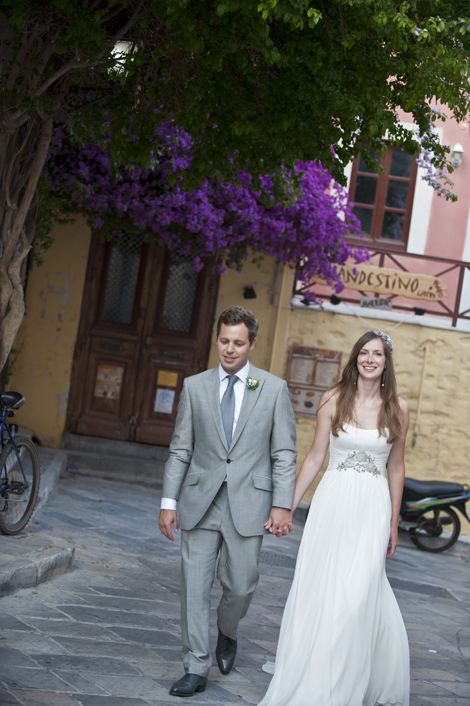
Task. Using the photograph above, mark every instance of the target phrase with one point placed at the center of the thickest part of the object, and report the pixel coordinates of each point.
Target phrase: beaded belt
(359, 461)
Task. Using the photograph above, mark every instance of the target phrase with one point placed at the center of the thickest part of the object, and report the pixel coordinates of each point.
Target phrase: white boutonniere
(251, 383)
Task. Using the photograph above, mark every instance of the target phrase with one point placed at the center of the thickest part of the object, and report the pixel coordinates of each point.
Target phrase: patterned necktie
(227, 408)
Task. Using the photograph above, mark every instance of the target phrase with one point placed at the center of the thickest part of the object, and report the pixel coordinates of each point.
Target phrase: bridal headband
(386, 339)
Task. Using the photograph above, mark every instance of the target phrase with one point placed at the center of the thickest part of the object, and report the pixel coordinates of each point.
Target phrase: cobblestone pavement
(107, 633)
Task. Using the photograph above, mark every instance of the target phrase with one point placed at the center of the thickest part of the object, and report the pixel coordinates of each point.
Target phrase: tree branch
(39, 159)
(110, 15)
(13, 160)
(87, 63)
(130, 23)
(17, 63)
(12, 122)
(326, 26)
(341, 25)
(72, 64)
(44, 58)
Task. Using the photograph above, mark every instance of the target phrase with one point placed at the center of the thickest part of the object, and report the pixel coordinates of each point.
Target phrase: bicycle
(19, 470)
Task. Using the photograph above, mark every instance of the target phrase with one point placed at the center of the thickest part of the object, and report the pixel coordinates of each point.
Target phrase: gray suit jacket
(259, 465)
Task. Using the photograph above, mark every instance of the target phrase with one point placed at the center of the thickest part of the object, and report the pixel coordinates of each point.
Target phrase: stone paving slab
(107, 632)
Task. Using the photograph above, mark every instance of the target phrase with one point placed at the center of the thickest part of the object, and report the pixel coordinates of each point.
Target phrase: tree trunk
(17, 193)
(35, 83)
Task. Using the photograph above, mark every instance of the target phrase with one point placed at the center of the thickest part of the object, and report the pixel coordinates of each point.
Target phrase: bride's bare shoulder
(405, 410)
(329, 400)
(330, 395)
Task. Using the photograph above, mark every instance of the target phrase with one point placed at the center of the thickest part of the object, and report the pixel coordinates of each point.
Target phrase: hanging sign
(368, 278)
(376, 303)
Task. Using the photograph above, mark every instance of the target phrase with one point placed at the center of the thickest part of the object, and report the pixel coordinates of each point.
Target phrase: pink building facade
(403, 217)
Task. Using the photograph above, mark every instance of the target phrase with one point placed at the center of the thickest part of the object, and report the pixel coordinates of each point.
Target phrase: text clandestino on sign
(368, 278)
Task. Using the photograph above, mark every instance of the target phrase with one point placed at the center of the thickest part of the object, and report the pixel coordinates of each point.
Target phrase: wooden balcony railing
(454, 273)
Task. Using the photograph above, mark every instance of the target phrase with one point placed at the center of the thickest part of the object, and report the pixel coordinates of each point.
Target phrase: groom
(232, 469)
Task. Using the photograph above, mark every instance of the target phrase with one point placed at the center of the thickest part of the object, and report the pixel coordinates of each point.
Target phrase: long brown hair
(390, 416)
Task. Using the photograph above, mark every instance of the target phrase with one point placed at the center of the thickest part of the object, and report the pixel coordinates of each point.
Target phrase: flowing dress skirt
(343, 641)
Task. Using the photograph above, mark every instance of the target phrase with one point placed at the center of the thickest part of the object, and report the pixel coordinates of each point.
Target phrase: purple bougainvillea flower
(225, 220)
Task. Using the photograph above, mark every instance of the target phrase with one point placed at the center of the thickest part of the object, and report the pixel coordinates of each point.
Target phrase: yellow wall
(47, 335)
(231, 294)
(443, 453)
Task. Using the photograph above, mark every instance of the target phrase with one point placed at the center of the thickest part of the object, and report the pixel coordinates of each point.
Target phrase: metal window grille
(180, 295)
(121, 280)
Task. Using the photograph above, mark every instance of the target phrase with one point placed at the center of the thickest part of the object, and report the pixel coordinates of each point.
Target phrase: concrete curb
(30, 558)
(53, 463)
(36, 566)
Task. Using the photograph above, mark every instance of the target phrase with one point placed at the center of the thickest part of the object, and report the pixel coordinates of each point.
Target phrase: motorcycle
(426, 513)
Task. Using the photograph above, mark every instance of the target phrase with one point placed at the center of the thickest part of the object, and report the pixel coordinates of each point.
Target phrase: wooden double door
(146, 323)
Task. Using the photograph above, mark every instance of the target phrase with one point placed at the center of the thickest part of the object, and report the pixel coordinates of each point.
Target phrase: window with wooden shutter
(383, 202)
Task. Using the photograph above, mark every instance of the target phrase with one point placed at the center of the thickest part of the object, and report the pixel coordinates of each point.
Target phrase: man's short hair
(239, 315)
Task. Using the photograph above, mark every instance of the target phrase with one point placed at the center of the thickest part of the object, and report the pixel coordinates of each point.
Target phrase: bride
(343, 641)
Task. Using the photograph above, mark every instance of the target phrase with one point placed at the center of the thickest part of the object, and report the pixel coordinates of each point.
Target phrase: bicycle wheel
(17, 497)
(438, 529)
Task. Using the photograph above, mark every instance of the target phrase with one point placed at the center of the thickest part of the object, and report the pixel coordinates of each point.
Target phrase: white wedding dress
(343, 641)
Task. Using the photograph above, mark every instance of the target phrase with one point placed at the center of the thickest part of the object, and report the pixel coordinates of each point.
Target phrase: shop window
(383, 202)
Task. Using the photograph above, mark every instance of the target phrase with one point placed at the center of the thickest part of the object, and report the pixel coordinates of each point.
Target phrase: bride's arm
(314, 459)
(396, 478)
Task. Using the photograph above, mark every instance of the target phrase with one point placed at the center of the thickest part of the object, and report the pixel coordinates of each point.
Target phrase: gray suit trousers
(214, 537)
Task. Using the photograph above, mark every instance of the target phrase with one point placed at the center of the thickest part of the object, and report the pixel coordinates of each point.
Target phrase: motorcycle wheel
(438, 529)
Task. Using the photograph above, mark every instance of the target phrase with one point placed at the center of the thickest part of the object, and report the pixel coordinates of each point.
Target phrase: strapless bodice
(361, 450)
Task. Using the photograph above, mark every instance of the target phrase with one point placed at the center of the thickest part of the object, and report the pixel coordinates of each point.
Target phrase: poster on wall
(108, 381)
(167, 378)
(164, 401)
(311, 371)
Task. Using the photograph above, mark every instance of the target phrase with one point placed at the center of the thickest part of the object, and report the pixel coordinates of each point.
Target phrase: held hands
(166, 520)
(280, 522)
(393, 542)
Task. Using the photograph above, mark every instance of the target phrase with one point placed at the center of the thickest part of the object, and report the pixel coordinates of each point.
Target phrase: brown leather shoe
(188, 685)
(225, 653)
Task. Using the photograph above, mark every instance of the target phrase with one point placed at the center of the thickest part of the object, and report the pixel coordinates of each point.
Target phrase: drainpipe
(278, 350)
(418, 411)
(276, 278)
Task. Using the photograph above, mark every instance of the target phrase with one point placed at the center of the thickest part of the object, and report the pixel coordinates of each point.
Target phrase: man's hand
(166, 520)
(280, 521)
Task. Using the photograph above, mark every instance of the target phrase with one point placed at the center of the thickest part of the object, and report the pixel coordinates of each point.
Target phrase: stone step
(124, 458)
(131, 449)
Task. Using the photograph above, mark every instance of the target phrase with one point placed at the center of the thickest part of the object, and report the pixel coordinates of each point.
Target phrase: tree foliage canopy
(295, 76)
(266, 84)
(258, 86)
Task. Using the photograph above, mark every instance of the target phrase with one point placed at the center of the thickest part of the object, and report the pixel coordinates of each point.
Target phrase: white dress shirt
(239, 389)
